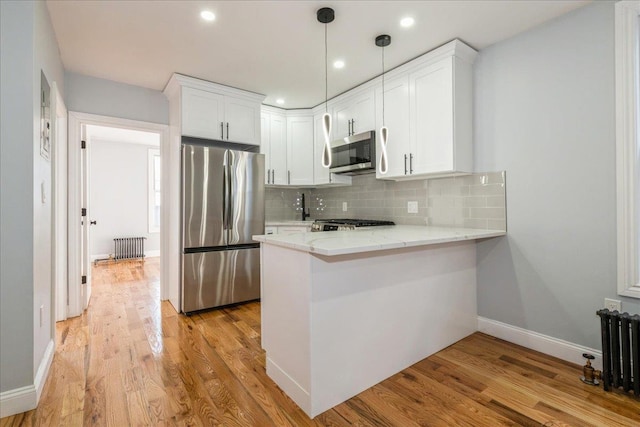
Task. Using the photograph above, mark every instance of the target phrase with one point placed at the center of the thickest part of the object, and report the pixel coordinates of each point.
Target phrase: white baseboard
(43, 369)
(555, 347)
(147, 254)
(26, 398)
(18, 400)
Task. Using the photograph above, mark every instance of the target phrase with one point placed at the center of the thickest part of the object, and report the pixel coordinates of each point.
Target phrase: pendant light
(383, 41)
(325, 16)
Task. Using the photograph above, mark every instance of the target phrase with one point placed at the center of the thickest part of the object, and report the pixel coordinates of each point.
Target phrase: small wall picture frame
(45, 118)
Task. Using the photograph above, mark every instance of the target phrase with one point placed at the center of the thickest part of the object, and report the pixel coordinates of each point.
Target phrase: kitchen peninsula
(342, 311)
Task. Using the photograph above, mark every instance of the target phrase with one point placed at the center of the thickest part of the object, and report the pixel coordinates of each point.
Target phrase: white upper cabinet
(242, 120)
(274, 147)
(431, 113)
(213, 111)
(300, 149)
(396, 118)
(202, 114)
(428, 111)
(354, 114)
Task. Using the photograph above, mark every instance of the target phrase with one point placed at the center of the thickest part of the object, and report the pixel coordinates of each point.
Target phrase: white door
(85, 291)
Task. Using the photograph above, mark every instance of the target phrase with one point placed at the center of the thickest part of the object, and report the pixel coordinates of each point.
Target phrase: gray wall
(28, 46)
(544, 112)
(108, 98)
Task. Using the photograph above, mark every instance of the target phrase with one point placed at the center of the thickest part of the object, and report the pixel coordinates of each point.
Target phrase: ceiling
(275, 48)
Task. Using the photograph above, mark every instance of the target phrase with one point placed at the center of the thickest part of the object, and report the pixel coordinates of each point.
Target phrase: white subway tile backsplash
(474, 201)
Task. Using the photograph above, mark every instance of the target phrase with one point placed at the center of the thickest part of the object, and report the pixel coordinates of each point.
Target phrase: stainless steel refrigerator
(222, 207)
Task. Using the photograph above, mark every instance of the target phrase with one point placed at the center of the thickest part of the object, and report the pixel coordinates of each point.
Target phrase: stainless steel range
(346, 224)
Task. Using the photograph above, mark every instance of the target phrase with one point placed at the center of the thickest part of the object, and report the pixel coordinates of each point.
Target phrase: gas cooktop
(343, 224)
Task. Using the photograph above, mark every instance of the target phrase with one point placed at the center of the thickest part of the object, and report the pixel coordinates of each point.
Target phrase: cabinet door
(396, 118)
(293, 229)
(202, 113)
(364, 113)
(278, 151)
(342, 115)
(431, 115)
(300, 150)
(265, 145)
(242, 119)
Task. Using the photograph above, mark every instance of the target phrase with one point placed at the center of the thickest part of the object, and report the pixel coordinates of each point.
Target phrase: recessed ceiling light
(207, 15)
(338, 64)
(407, 22)
(279, 101)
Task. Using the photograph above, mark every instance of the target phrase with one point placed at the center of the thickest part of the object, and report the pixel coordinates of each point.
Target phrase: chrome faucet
(305, 213)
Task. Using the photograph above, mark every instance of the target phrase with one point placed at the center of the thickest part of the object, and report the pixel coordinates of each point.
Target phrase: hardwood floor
(132, 360)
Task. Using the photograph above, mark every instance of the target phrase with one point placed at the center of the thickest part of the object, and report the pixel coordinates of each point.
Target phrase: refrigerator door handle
(229, 204)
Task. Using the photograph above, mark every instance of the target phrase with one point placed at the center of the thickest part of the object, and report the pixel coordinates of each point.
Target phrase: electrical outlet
(613, 304)
(412, 207)
(41, 314)
(344, 206)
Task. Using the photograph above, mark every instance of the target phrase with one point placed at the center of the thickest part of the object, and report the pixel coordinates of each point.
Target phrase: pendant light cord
(382, 85)
(326, 71)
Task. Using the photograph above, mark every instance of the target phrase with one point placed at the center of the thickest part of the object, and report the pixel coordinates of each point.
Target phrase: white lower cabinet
(287, 229)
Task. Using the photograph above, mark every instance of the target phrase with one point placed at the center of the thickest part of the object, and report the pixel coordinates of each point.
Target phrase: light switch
(344, 206)
(412, 207)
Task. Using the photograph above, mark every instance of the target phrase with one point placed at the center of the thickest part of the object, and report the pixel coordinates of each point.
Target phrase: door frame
(59, 272)
(76, 121)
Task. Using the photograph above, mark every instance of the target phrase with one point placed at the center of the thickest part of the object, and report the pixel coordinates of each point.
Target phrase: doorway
(115, 191)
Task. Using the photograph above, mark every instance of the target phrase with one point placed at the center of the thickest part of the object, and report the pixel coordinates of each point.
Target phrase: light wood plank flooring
(132, 360)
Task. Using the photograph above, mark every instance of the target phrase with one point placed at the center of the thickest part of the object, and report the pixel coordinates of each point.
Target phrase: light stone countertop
(290, 223)
(368, 239)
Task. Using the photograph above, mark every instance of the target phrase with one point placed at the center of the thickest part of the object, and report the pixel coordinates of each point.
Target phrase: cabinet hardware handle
(288, 177)
(221, 130)
(273, 176)
(405, 164)
(353, 126)
(268, 176)
(349, 128)
(411, 163)
(227, 131)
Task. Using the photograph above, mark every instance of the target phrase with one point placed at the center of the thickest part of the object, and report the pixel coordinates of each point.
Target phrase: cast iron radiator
(129, 248)
(620, 350)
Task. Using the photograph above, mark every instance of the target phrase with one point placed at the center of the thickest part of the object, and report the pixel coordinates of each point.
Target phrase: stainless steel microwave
(355, 154)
